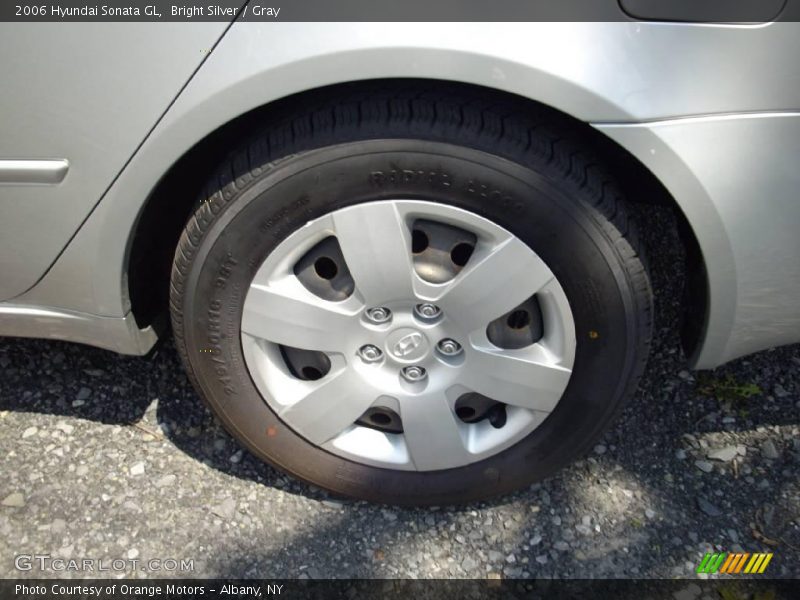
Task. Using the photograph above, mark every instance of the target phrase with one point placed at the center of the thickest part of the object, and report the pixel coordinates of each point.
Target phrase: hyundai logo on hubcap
(407, 344)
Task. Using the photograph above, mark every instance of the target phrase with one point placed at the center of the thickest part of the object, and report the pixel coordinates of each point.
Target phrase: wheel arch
(155, 236)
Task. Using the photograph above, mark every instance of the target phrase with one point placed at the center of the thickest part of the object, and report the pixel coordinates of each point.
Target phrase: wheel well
(173, 199)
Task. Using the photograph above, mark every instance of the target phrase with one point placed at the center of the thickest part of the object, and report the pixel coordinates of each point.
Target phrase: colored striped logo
(732, 564)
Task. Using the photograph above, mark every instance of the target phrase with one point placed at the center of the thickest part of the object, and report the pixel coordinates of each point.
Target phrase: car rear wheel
(411, 315)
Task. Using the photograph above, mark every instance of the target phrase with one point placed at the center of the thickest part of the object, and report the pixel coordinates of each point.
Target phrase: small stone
(15, 500)
(78, 403)
(769, 451)
(133, 553)
(600, 449)
(511, 559)
(542, 559)
(704, 466)
(166, 480)
(561, 546)
(83, 393)
(137, 469)
(30, 431)
(236, 457)
(707, 507)
(741, 449)
(684, 375)
(536, 540)
(65, 427)
(81, 470)
(226, 509)
(726, 454)
(556, 520)
(58, 525)
(680, 454)
(332, 504)
(650, 513)
(780, 391)
(469, 564)
(495, 556)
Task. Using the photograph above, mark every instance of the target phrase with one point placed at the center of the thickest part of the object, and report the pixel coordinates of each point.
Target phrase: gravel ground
(114, 457)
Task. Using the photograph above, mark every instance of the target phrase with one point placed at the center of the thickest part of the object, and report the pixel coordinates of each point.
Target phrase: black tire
(456, 146)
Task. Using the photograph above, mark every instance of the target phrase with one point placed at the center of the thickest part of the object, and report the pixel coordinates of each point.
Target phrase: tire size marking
(225, 271)
(214, 328)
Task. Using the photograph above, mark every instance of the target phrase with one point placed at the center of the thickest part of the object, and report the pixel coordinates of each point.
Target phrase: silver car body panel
(119, 334)
(712, 110)
(736, 179)
(87, 93)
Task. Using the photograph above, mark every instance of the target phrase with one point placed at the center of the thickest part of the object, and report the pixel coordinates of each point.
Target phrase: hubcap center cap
(407, 345)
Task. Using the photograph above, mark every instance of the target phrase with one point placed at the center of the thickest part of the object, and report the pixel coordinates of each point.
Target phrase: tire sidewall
(546, 212)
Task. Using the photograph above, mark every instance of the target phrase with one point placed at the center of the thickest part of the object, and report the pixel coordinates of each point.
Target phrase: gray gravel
(113, 457)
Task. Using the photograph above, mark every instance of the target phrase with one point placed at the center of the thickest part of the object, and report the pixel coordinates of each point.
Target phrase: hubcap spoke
(330, 406)
(520, 378)
(499, 280)
(285, 313)
(432, 432)
(376, 246)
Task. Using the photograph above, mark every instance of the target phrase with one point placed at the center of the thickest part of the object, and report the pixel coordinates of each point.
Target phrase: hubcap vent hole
(323, 271)
(440, 250)
(518, 319)
(465, 413)
(419, 241)
(518, 328)
(307, 365)
(460, 254)
(473, 408)
(382, 419)
(325, 267)
(311, 373)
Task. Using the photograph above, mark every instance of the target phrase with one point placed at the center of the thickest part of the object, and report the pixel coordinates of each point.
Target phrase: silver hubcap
(383, 352)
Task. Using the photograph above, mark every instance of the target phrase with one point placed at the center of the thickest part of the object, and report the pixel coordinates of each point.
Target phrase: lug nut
(449, 347)
(427, 312)
(413, 373)
(370, 353)
(379, 315)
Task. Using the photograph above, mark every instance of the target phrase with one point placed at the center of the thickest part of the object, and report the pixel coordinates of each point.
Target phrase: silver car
(398, 258)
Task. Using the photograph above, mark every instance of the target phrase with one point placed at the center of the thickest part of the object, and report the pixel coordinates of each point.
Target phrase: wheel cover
(406, 363)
